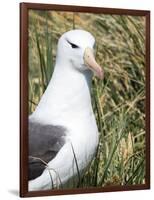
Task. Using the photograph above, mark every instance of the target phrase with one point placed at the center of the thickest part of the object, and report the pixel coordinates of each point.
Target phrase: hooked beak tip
(100, 74)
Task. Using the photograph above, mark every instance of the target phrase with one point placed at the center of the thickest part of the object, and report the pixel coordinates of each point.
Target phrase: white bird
(63, 134)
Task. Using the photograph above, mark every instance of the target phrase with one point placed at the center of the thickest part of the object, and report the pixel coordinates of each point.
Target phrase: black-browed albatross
(63, 134)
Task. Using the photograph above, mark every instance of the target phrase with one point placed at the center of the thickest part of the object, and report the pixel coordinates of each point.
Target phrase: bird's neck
(67, 95)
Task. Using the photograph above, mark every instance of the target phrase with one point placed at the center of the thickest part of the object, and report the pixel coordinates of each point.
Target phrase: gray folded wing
(44, 143)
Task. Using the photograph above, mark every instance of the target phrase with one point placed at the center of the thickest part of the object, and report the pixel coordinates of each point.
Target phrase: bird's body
(70, 134)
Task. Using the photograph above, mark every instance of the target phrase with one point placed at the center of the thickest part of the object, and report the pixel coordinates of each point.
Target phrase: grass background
(118, 101)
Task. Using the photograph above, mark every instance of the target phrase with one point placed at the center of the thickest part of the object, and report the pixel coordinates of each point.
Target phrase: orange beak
(90, 61)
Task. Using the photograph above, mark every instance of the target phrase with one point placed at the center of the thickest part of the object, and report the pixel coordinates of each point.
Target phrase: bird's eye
(74, 46)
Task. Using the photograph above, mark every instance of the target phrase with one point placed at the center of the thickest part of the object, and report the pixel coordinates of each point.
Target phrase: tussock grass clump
(118, 101)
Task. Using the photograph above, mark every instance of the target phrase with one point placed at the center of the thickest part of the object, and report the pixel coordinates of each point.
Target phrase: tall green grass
(118, 101)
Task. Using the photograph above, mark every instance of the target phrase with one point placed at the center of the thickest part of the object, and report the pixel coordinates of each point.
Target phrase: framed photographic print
(85, 99)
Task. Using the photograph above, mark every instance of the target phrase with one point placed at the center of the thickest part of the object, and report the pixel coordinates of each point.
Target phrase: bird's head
(77, 47)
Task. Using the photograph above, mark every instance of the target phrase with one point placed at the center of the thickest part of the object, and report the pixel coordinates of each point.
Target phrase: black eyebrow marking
(72, 44)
